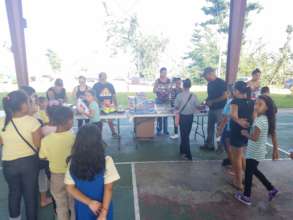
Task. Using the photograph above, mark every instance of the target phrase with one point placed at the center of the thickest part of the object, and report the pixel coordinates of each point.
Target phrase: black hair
(82, 77)
(12, 103)
(88, 155)
(28, 90)
(255, 71)
(61, 115)
(91, 91)
(163, 69)
(175, 79)
(51, 112)
(41, 99)
(265, 90)
(187, 84)
(270, 113)
(242, 87)
(50, 90)
(58, 82)
(208, 71)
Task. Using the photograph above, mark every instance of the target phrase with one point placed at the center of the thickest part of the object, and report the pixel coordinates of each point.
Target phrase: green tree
(210, 35)
(54, 60)
(124, 35)
(276, 66)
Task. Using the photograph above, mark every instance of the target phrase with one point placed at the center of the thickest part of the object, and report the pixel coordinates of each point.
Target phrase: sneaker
(166, 133)
(226, 162)
(175, 136)
(272, 194)
(242, 198)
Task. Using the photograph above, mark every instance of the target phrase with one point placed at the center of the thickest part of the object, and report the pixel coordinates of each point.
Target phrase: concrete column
(237, 15)
(16, 26)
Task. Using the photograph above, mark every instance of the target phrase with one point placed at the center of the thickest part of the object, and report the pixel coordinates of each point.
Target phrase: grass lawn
(282, 101)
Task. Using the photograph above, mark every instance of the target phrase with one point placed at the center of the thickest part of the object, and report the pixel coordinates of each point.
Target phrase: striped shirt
(257, 149)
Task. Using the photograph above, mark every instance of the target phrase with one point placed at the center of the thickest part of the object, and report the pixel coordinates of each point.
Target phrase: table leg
(202, 127)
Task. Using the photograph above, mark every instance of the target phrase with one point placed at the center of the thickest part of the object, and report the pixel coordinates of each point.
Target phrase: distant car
(288, 84)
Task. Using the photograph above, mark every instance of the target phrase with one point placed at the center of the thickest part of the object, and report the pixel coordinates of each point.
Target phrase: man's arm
(219, 99)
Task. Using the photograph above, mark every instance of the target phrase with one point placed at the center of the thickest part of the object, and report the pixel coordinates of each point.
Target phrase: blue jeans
(162, 124)
(21, 176)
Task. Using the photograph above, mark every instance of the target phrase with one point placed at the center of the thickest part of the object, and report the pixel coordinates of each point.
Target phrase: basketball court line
(135, 193)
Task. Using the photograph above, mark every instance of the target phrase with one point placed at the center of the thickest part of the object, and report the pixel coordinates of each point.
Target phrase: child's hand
(245, 133)
(102, 217)
(95, 206)
(243, 123)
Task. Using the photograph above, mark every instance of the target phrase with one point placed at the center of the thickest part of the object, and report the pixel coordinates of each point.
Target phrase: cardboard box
(144, 127)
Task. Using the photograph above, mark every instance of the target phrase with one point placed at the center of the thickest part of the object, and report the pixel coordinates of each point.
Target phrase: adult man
(216, 100)
(106, 96)
(162, 89)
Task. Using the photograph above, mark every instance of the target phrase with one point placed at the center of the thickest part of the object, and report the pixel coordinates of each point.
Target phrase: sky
(75, 30)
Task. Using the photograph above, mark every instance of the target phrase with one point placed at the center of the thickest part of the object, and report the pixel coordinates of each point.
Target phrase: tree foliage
(209, 35)
(276, 67)
(124, 35)
(54, 60)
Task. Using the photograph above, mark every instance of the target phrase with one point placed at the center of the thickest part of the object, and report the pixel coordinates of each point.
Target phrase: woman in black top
(242, 108)
(79, 93)
(59, 91)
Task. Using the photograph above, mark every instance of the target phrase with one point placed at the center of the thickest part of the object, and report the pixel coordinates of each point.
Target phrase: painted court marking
(135, 194)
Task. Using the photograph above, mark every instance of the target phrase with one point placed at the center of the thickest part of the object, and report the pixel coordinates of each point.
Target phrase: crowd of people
(42, 157)
(41, 154)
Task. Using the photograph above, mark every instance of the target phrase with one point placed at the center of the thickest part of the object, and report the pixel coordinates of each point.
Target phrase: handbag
(43, 164)
(177, 115)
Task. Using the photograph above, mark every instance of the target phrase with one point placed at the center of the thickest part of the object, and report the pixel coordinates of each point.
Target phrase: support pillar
(237, 16)
(16, 26)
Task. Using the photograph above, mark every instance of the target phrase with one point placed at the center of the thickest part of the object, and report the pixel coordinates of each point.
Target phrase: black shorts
(237, 139)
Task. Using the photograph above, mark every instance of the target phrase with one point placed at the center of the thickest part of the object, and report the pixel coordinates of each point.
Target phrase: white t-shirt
(111, 174)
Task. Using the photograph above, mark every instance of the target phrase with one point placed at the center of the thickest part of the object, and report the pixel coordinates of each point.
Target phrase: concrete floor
(183, 190)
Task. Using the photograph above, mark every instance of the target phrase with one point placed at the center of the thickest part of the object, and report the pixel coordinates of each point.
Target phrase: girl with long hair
(91, 175)
(20, 137)
(263, 126)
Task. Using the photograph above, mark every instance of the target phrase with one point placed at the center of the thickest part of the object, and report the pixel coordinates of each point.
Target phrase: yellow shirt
(111, 174)
(13, 146)
(43, 116)
(56, 147)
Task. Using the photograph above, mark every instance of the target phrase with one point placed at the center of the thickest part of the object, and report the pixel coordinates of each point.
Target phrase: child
(90, 176)
(223, 130)
(175, 90)
(264, 125)
(20, 138)
(241, 118)
(94, 110)
(56, 147)
(43, 104)
(52, 100)
(45, 173)
(265, 91)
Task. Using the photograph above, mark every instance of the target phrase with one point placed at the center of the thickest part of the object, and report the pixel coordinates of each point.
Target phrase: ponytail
(12, 103)
(7, 110)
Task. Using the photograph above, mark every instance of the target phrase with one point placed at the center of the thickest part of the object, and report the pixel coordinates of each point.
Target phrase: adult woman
(254, 83)
(79, 94)
(20, 136)
(59, 91)
(186, 104)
